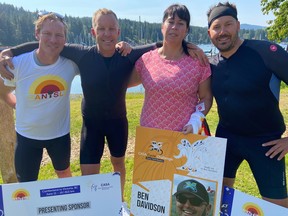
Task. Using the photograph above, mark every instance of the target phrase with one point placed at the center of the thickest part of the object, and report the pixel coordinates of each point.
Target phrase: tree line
(278, 27)
(17, 26)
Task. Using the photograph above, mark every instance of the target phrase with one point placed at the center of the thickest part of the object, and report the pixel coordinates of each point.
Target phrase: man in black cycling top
(104, 78)
(246, 79)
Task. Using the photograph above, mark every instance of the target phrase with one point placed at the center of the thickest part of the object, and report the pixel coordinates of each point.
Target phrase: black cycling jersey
(246, 87)
(104, 86)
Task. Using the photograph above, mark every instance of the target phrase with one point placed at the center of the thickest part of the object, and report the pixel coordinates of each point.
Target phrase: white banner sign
(236, 203)
(85, 195)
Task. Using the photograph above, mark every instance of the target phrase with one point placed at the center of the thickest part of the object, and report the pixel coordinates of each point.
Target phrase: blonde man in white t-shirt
(42, 82)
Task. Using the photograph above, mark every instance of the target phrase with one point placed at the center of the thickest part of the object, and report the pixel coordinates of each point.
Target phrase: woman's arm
(205, 95)
(197, 118)
(134, 79)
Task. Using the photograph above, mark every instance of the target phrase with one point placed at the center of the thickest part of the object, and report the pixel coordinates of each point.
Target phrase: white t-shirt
(42, 94)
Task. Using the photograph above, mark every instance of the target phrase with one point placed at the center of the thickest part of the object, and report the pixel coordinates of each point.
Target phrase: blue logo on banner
(1, 202)
(59, 191)
(227, 201)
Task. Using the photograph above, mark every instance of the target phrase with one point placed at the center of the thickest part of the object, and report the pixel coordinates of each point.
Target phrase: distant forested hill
(16, 26)
(249, 26)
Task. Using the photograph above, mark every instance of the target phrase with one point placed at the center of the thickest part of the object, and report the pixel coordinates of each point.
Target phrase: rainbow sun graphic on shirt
(20, 194)
(48, 86)
(253, 209)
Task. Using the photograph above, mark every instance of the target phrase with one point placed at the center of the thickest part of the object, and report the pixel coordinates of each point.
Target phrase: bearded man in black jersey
(246, 79)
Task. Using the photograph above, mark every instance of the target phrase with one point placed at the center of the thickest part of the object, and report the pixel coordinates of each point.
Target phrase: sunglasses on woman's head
(181, 198)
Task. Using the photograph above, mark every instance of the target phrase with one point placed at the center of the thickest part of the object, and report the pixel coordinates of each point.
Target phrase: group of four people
(245, 82)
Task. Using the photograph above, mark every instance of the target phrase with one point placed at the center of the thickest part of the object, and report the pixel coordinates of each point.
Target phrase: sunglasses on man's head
(43, 13)
(195, 201)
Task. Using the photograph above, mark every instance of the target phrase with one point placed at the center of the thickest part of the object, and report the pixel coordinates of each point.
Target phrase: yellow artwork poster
(171, 168)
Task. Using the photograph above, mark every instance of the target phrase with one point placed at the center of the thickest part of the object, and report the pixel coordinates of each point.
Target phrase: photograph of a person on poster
(192, 197)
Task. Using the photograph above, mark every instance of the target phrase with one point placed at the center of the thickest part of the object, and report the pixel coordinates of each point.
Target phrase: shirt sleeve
(138, 51)
(75, 52)
(206, 72)
(24, 48)
(279, 64)
(275, 58)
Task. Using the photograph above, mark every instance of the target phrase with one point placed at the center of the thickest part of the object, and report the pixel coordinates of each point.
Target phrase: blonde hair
(103, 11)
(50, 16)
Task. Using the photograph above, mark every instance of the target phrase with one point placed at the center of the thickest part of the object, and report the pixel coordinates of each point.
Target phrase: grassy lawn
(134, 101)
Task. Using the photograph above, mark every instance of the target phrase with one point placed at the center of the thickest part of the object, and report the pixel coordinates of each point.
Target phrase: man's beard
(230, 46)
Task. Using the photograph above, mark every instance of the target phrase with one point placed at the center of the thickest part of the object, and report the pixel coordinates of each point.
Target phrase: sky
(249, 11)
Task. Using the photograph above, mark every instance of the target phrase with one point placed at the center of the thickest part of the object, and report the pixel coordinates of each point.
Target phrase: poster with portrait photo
(160, 155)
(204, 203)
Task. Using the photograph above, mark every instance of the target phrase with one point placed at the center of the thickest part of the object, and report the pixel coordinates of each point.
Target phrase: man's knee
(229, 182)
(64, 173)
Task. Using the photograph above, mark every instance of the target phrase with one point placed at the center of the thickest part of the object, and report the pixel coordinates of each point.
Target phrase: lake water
(76, 87)
(76, 84)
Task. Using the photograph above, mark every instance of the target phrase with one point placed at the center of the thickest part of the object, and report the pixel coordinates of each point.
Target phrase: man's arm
(196, 53)
(138, 51)
(193, 50)
(274, 57)
(5, 61)
(73, 52)
(76, 52)
(24, 48)
(6, 94)
(277, 62)
(124, 48)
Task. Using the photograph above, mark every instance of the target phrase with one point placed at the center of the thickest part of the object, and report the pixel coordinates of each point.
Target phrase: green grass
(244, 181)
